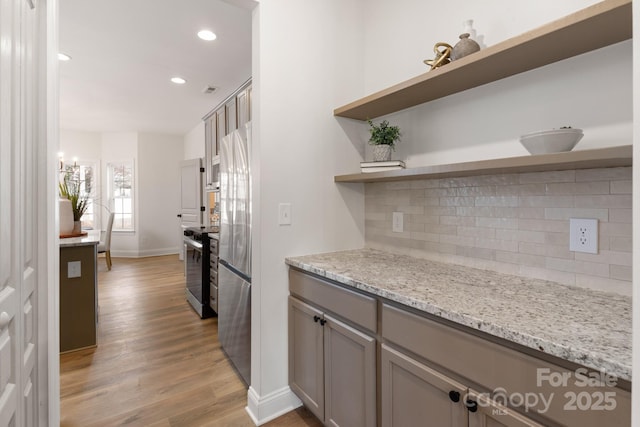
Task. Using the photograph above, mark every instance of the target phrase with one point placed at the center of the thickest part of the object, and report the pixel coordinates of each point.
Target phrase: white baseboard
(263, 409)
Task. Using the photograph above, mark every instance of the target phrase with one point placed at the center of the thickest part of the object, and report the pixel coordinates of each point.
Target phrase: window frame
(119, 222)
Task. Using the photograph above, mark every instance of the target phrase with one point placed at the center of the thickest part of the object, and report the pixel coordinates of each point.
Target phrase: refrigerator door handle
(235, 271)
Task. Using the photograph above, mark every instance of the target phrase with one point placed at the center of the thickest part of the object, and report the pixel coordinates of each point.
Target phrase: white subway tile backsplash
(521, 235)
(621, 215)
(520, 259)
(566, 213)
(547, 202)
(604, 174)
(497, 201)
(621, 272)
(621, 244)
(611, 201)
(515, 223)
(482, 232)
(500, 223)
(621, 187)
(573, 188)
(545, 177)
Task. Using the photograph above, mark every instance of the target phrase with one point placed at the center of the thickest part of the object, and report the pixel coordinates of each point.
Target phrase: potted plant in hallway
(383, 139)
(72, 189)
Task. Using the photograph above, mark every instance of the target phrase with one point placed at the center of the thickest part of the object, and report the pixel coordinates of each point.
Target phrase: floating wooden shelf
(581, 159)
(597, 26)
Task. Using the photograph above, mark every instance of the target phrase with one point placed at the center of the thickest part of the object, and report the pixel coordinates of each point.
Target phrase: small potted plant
(383, 139)
(71, 189)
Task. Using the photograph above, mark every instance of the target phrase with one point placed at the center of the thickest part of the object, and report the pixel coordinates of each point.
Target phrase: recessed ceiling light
(178, 80)
(206, 35)
(63, 57)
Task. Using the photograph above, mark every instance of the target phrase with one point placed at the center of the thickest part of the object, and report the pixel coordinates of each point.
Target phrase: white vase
(66, 216)
(381, 153)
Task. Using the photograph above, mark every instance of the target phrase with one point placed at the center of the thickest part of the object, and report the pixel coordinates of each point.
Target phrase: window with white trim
(120, 190)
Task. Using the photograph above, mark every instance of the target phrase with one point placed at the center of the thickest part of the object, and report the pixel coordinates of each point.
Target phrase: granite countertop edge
(567, 352)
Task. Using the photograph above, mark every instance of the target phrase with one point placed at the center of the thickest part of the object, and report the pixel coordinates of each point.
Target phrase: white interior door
(18, 214)
(191, 192)
(191, 206)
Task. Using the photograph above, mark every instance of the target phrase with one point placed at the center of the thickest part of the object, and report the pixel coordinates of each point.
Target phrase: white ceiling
(125, 51)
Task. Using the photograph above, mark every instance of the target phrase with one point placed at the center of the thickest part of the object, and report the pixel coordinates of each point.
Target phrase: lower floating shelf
(581, 159)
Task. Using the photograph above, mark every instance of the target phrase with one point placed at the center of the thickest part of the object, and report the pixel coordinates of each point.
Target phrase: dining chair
(105, 241)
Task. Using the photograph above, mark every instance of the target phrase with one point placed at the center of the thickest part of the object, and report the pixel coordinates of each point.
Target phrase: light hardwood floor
(156, 364)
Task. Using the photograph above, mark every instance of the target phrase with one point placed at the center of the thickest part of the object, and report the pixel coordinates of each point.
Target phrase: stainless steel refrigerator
(234, 275)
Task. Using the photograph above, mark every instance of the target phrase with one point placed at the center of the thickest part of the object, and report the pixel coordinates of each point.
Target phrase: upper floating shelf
(597, 26)
(581, 159)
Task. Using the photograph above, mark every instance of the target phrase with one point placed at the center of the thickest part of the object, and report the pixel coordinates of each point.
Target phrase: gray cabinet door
(306, 370)
(490, 413)
(350, 376)
(414, 394)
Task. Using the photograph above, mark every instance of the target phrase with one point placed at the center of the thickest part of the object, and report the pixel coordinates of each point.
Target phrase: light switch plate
(284, 214)
(398, 222)
(74, 269)
(583, 235)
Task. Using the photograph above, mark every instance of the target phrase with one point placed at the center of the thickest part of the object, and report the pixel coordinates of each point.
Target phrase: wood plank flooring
(157, 364)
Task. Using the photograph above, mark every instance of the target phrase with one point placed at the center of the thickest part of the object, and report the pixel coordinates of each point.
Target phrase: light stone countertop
(584, 326)
(92, 238)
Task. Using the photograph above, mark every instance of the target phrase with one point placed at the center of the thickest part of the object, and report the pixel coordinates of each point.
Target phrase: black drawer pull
(316, 318)
(322, 322)
(454, 396)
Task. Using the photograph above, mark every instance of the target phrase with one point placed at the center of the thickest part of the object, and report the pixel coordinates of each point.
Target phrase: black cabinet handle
(454, 396)
(179, 215)
(322, 322)
(316, 318)
(471, 405)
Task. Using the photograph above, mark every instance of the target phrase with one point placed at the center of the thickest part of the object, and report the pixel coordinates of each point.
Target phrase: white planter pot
(381, 153)
(66, 216)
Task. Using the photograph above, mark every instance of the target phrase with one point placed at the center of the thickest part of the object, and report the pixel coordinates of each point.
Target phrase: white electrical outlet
(398, 222)
(74, 269)
(583, 235)
(284, 214)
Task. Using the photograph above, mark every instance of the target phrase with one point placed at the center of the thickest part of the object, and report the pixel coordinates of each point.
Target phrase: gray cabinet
(332, 351)
(332, 367)
(232, 113)
(412, 392)
(306, 356)
(503, 374)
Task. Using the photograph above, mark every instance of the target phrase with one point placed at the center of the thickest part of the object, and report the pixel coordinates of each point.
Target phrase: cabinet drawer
(213, 277)
(213, 297)
(213, 263)
(358, 308)
(494, 367)
(213, 246)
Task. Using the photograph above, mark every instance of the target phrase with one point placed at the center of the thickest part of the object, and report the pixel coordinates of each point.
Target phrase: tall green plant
(72, 190)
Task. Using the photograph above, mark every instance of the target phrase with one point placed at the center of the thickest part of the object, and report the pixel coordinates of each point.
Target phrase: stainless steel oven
(197, 254)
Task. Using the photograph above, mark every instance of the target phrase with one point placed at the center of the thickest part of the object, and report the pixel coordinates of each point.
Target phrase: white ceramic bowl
(551, 141)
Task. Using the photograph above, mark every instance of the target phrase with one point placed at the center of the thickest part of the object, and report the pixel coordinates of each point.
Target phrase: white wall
(306, 62)
(313, 56)
(83, 145)
(590, 91)
(159, 196)
(194, 143)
